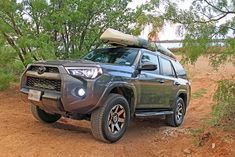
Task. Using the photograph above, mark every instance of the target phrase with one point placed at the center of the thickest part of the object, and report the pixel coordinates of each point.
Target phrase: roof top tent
(115, 37)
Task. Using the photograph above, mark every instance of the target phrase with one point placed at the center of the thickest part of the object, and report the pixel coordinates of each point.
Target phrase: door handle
(161, 81)
(176, 83)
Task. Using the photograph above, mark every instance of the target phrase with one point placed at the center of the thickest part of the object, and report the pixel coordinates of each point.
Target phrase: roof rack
(115, 37)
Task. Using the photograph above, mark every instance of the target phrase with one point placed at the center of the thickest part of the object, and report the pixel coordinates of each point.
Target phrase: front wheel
(43, 116)
(109, 122)
(179, 110)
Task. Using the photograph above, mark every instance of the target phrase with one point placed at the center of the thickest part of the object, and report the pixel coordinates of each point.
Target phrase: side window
(167, 69)
(179, 70)
(150, 58)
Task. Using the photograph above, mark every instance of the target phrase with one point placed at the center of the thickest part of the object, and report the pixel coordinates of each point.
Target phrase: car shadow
(71, 127)
(140, 124)
(149, 122)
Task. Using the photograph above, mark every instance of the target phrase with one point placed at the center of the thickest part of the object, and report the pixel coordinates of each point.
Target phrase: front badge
(41, 70)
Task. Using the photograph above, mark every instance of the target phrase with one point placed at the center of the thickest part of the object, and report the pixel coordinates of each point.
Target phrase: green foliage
(142, 18)
(196, 133)
(10, 67)
(199, 93)
(42, 29)
(18, 68)
(223, 114)
(5, 80)
(209, 27)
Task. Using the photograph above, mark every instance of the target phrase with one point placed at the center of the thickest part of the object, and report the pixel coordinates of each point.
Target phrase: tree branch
(218, 9)
(177, 20)
(12, 43)
(212, 19)
(17, 30)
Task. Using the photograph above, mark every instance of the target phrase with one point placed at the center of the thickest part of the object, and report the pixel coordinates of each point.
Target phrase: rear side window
(167, 69)
(179, 69)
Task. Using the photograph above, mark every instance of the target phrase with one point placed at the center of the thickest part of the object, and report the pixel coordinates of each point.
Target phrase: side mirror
(148, 67)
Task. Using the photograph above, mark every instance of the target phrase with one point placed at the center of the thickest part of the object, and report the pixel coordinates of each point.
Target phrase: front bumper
(67, 99)
(50, 101)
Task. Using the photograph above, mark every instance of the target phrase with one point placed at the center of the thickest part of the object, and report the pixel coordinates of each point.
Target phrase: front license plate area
(34, 95)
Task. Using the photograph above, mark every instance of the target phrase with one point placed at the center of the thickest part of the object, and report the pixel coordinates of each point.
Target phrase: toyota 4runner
(108, 87)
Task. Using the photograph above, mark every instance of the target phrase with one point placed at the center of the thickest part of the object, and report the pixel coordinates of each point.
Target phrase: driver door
(149, 83)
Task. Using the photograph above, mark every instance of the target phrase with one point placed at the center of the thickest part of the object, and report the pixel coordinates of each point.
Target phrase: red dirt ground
(22, 135)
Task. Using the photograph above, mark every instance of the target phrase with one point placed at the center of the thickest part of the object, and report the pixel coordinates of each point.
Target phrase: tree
(209, 27)
(210, 30)
(18, 31)
(42, 29)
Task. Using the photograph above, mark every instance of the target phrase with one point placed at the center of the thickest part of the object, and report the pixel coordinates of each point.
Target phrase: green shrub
(17, 69)
(223, 114)
(197, 141)
(5, 80)
(10, 67)
(199, 93)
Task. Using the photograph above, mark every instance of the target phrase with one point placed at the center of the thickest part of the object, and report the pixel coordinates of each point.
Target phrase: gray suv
(108, 87)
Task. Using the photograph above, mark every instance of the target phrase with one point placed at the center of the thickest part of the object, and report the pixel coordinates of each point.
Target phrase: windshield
(120, 56)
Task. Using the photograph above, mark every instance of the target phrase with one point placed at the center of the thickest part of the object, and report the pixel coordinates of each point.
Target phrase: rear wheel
(43, 116)
(109, 122)
(179, 110)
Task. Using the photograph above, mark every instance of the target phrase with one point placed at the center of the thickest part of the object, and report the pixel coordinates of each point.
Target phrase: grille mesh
(42, 83)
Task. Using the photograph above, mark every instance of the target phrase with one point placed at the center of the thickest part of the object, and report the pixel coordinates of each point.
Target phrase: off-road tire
(43, 116)
(172, 119)
(101, 119)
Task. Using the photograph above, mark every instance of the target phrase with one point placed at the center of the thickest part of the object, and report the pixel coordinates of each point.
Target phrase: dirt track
(22, 135)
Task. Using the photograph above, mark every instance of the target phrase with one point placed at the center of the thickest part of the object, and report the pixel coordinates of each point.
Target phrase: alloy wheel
(116, 119)
(179, 112)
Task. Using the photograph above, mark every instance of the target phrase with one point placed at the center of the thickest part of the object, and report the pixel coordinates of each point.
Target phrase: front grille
(42, 83)
(48, 69)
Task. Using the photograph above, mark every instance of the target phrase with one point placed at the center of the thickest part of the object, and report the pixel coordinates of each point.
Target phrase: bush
(223, 114)
(17, 69)
(10, 67)
(5, 80)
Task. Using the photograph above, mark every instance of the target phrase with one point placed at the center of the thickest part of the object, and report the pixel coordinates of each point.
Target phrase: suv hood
(69, 63)
(109, 68)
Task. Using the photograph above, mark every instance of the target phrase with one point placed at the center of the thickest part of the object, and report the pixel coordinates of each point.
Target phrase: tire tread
(42, 116)
(97, 118)
(170, 119)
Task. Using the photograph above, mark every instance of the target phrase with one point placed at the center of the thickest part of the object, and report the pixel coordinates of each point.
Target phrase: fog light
(81, 92)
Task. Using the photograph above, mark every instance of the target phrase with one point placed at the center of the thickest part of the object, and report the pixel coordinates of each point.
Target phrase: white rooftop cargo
(112, 36)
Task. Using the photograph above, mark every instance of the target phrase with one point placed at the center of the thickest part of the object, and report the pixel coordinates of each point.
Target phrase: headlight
(87, 72)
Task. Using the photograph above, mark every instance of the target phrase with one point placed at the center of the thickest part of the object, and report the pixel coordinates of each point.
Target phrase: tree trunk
(12, 43)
